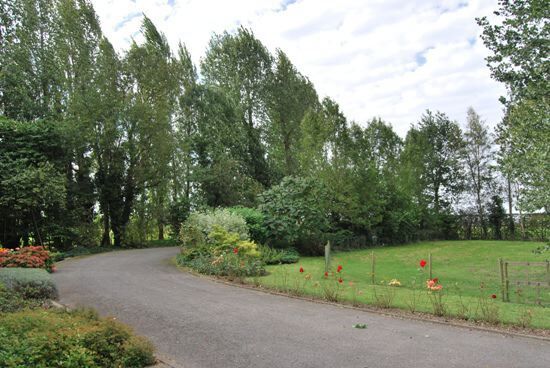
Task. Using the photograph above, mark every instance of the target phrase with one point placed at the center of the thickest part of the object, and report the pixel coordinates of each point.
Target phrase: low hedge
(55, 338)
(10, 301)
(273, 256)
(29, 283)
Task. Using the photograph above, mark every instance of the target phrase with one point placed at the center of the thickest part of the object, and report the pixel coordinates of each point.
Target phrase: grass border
(536, 333)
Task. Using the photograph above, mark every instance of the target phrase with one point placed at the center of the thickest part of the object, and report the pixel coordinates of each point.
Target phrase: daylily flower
(339, 268)
(326, 274)
(340, 280)
(235, 250)
(423, 263)
(301, 269)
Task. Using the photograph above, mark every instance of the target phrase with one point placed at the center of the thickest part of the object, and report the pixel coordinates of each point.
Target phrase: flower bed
(27, 257)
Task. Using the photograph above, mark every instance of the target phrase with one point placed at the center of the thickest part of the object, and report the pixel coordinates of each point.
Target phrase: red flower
(339, 268)
(301, 269)
(326, 274)
(340, 280)
(235, 250)
(493, 296)
(436, 280)
(423, 263)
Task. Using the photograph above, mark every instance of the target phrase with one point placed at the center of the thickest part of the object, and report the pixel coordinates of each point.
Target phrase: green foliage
(296, 213)
(11, 301)
(272, 256)
(497, 215)
(228, 264)
(255, 220)
(206, 222)
(30, 283)
(54, 338)
(191, 236)
(32, 184)
(518, 41)
(224, 254)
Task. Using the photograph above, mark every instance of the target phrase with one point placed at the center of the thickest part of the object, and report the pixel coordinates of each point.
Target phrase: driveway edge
(363, 309)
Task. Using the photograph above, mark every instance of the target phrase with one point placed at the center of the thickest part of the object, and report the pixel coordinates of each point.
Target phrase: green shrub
(273, 256)
(10, 301)
(54, 338)
(297, 214)
(224, 254)
(206, 221)
(30, 283)
(190, 253)
(226, 264)
(191, 236)
(255, 220)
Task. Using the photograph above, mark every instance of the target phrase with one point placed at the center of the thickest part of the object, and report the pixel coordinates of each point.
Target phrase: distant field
(461, 267)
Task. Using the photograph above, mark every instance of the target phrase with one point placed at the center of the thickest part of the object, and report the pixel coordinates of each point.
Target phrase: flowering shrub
(27, 257)
(436, 296)
(224, 254)
(434, 285)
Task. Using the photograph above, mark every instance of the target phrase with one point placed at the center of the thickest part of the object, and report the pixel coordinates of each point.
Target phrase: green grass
(461, 266)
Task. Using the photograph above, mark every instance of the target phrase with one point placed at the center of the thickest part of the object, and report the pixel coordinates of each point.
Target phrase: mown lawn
(467, 270)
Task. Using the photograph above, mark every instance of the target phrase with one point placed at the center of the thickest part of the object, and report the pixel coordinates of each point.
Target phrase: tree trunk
(161, 231)
(106, 238)
(117, 235)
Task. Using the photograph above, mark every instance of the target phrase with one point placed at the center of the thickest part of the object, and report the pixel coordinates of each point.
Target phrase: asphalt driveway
(201, 323)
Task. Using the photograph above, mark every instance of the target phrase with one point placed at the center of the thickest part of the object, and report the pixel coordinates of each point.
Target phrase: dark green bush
(297, 214)
(255, 220)
(29, 283)
(54, 338)
(273, 256)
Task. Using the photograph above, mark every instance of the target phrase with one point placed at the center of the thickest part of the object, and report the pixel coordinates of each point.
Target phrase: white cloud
(387, 58)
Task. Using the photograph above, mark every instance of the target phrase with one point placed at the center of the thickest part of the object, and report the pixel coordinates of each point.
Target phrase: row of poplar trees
(134, 141)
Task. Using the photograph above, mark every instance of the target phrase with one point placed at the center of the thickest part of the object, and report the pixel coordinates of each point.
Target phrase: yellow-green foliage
(222, 241)
(248, 248)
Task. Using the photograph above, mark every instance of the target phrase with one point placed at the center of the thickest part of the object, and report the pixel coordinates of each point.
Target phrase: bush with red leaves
(27, 257)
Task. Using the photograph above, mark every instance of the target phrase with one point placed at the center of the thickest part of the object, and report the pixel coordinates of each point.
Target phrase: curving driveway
(200, 323)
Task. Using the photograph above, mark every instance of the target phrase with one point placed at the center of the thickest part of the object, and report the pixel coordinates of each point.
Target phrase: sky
(377, 58)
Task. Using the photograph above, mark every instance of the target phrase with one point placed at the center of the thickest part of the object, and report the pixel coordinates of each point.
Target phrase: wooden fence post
(372, 267)
(430, 264)
(327, 256)
(501, 267)
(506, 283)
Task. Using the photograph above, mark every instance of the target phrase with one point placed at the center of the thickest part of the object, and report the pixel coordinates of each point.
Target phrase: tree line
(98, 146)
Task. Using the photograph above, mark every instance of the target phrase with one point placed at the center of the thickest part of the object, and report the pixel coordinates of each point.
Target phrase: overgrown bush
(205, 222)
(53, 338)
(272, 256)
(26, 257)
(30, 283)
(255, 220)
